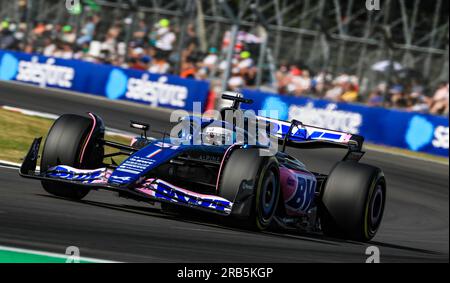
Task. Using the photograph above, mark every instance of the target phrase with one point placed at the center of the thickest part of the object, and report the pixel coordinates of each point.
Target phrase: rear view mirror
(140, 126)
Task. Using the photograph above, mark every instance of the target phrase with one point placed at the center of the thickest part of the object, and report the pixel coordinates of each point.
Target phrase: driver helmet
(217, 136)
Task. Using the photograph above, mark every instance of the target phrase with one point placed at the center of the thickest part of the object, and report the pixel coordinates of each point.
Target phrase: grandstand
(334, 37)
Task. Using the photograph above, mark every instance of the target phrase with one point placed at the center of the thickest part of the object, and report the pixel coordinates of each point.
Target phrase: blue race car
(206, 167)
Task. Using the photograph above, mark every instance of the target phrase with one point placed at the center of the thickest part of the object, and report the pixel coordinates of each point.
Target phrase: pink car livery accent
(298, 191)
(94, 125)
(98, 176)
(162, 190)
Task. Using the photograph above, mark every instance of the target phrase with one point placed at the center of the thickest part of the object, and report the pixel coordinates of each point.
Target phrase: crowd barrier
(412, 131)
(103, 80)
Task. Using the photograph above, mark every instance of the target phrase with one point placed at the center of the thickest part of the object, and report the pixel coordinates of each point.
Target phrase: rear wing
(297, 135)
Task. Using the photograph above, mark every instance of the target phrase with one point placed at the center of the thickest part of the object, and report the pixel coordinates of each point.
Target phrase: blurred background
(392, 54)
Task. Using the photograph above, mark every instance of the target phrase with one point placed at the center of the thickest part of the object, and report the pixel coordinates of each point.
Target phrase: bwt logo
(373, 5)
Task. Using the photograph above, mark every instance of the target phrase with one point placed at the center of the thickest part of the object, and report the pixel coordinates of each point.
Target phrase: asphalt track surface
(415, 227)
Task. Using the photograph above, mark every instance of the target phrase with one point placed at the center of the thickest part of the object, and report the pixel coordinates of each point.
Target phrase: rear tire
(353, 202)
(66, 142)
(252, 182)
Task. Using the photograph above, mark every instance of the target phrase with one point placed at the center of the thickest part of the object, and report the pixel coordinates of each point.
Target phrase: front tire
(252, 182)
(72, 141)
(353, 202)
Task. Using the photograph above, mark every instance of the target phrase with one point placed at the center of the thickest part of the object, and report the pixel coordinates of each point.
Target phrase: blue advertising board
(115, 83)
(412, 131)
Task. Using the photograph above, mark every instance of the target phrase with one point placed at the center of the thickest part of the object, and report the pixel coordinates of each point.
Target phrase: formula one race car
(204, 167)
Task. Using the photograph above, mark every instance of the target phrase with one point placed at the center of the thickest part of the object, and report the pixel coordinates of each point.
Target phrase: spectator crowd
(155, 48)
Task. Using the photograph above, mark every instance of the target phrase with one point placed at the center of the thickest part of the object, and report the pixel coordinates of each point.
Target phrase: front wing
(150, 190)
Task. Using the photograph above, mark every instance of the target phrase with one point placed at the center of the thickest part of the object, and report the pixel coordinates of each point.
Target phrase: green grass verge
(18, 131)
(22, 257)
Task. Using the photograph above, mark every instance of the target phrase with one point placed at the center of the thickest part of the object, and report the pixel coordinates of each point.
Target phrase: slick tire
(72, 141)
(353, 202)
(248, 171)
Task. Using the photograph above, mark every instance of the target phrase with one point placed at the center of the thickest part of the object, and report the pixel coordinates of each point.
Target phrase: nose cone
(142, 162)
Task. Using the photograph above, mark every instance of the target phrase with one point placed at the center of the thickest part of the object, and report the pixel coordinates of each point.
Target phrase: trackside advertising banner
(412, 131)
(102, 80)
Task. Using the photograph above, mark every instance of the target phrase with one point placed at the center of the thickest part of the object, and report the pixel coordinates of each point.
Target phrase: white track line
(26, 112)
(31, 113)
(8, 167)
(5, 163)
